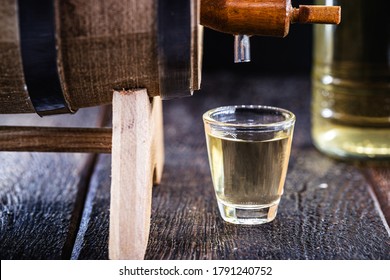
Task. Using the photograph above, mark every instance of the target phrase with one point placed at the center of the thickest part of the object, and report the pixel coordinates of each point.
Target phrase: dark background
(269, 55)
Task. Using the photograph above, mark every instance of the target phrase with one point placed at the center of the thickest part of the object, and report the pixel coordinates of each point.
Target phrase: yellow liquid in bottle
(351, 82)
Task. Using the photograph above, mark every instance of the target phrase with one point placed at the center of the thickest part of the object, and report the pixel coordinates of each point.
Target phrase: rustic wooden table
(56, 206)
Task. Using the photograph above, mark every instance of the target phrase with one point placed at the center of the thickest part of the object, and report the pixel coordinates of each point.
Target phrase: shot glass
(249, 148)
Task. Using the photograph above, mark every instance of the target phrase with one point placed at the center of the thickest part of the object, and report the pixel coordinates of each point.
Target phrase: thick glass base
(245, 215)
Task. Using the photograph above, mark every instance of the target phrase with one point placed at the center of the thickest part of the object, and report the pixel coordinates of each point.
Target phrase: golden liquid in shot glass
(249, 174)
(249, 149)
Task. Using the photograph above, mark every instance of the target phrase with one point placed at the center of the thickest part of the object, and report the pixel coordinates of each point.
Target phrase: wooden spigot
(260, 17)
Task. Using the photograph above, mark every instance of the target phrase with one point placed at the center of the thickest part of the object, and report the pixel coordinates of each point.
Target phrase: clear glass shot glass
(249, 148)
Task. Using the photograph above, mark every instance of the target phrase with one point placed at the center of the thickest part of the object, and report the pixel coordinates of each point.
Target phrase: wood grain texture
(379, 177)
(134, 153)
(42, 194)
(55, 139)
(263, 18)
(107, 45)
(316, 14)
(92, 238)
(102, 45)
(13, 96)
(327, 211)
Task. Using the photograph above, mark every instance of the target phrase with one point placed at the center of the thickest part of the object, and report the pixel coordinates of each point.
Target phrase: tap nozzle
(242, 48)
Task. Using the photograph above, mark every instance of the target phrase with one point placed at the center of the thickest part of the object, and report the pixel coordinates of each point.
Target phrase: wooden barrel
(98, 46)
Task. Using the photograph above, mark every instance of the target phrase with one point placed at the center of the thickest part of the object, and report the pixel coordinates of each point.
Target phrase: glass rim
(288, 121)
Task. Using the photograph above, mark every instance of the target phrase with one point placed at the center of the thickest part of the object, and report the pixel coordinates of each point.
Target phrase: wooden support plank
(158, 140)
(55, 139)
(133, 161)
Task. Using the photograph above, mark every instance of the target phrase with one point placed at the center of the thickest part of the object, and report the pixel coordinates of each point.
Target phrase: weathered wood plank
(107, 45)
(133, 126)
(379, 176)
(326, 212)
(42, 194)
(92, 238)
(13, 95)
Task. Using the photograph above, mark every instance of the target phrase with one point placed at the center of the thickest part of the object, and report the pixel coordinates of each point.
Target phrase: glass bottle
(351, 81)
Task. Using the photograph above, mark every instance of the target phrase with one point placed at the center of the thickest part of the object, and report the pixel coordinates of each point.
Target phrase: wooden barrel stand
(136, 144)
(151, 49)
(137, 162)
